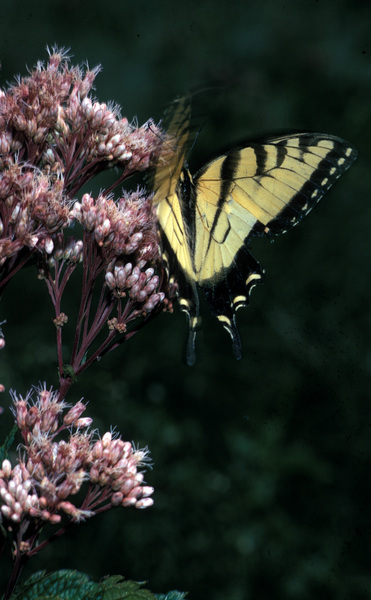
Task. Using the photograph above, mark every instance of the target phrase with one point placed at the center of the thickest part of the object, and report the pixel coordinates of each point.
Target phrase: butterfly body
(207, 220)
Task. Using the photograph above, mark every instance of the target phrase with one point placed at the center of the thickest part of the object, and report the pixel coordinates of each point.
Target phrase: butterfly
(206, 220)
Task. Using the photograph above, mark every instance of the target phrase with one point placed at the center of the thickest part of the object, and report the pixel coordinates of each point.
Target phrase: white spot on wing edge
(239, 299)
(223, 319)
(252, 277)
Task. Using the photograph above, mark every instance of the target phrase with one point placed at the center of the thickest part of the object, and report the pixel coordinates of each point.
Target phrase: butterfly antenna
(196, 134)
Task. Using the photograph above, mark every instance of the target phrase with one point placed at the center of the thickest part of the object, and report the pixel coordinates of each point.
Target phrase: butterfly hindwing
(232, 291)
(207, 222)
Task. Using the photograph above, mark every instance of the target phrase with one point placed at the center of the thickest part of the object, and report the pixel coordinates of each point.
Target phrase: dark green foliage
(71, 585)
(61, 585)
(171, 596)
(116, 588)
(7, 444)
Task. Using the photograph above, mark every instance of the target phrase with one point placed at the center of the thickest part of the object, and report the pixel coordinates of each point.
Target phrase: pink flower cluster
(50, 120)
(54, 138)
(49, 472)
(32, 207)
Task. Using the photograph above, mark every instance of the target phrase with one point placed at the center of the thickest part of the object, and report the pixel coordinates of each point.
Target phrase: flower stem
(19, 563)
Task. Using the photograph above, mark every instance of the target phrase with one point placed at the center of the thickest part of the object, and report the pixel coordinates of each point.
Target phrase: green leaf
(72, 585)
(174, 595)
(69, 372)
(116, 587)
(5, 447)
(60, 585)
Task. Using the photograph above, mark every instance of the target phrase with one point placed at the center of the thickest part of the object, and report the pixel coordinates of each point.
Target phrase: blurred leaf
(117, 588)
(171, 596)
(71, 585)
(61, 585)
(5, 447)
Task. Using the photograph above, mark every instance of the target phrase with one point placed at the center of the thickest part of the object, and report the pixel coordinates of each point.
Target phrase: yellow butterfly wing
(267, 187)
(206, 222)
(173, 150)
(166, 179)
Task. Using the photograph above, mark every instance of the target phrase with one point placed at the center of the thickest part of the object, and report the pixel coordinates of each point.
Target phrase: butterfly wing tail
(190, 305)
(232, 292)
(191, 341)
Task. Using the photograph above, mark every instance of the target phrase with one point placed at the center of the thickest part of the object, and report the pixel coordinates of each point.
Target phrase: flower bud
(94, 475)
(127, 486)
(147, 490)
(84, 422)
(74, 413)
(116, 498)
(6, 510)
(49, 245)
(87, 107)
(133, 278)
(153, 301)
(110, 280)
(129, 502)
(6, 468)
(55, 519)
(144, 503)
(125, 155)
(106, 439)
(68, 508)
(44, 398)
(97, 452)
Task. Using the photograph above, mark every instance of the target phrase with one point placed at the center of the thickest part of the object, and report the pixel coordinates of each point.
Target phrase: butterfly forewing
(174, 147)
(277, 182)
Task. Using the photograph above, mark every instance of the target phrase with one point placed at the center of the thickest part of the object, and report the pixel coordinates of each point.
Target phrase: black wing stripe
(227, 173)
(261, 155)
(228, 178)
(281, 154)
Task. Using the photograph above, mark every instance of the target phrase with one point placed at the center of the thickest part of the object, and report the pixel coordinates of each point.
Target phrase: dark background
(261, 467)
